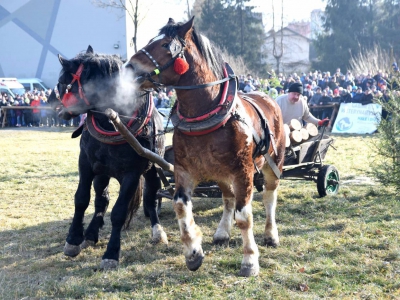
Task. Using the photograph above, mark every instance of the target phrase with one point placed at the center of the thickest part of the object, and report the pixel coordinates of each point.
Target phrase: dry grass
(342, 247)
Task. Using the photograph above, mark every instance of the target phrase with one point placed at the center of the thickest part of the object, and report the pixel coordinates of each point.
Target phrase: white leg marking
(190, 233)
(270, 200)
(159, 235)
(244, 220)
(225, 225)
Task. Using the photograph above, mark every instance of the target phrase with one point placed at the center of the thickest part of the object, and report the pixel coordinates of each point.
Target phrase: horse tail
(134, 204)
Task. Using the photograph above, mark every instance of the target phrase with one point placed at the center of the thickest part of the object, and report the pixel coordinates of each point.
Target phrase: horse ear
(62, 60)
(65, 63)
(184, 29)
(171, 21)
(89, 50)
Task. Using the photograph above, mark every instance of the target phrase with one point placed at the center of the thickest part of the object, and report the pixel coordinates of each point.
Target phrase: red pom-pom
(180, 66)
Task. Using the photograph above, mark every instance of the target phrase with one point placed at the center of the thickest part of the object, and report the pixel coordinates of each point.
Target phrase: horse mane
(207, 49)
(106, 65)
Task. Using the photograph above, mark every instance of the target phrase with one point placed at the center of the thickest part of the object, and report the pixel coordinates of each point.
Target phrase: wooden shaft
(129, 137)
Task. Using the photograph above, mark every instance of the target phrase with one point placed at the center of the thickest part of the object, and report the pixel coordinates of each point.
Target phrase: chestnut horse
(89, 83)
(220, 135)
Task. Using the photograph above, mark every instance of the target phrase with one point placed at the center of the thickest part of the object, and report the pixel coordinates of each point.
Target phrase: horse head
(163, 60)
(84, 83)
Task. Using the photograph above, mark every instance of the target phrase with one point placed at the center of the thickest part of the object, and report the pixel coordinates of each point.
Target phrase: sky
(158, 12)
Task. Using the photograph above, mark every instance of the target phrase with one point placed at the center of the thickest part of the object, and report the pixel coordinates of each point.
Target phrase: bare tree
(132, 8)
(129, 6)
(189, 15)
(275, 53)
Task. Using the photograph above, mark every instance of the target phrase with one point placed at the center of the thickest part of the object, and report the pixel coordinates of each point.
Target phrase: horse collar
(136, 124)
(213, 119)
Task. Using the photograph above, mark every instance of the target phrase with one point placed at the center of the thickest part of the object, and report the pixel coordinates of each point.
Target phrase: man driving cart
(294, 107)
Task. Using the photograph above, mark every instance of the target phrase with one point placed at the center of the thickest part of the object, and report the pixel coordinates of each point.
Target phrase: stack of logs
(296, 133)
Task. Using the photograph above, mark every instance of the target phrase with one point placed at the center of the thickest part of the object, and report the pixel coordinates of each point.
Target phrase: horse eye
(165, 45)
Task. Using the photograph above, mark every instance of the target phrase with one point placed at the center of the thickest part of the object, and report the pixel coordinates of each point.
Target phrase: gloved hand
(323, 122)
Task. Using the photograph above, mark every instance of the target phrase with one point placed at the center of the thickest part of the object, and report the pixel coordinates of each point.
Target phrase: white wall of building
(34, 32)
(296, 51)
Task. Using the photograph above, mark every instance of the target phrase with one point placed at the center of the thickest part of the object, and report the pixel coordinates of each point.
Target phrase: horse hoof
(221, 241)
(87, 243)
(108, 264)
(71, 250)
(194, 262)
(270, 242)
(159, 235)
(249, 270)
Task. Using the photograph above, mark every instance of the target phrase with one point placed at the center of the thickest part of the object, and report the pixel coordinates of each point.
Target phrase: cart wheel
(328, 181)
(159, 202)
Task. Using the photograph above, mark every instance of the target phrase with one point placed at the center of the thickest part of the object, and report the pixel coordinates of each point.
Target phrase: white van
(11, 86)
(31, 84)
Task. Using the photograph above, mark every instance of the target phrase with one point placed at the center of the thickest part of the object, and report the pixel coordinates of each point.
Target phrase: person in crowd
(332, 83)
(315, 99)
(43, 112)
(28, 112)
(293, 107)
(12, 120)
(18, 112)
(357, 98)
(367, 97)
(3, 102)
(248, 86)
(354, 91)
(308, 93)
(241, 82)
(346, 96)
(336, 97)
(35, 112)
(273, 93)
(314, 102)
(162, 101)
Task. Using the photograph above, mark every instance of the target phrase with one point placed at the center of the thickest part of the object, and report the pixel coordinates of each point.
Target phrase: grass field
(341, 247)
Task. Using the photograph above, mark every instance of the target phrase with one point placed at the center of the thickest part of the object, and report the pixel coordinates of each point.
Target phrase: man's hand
(323, 122)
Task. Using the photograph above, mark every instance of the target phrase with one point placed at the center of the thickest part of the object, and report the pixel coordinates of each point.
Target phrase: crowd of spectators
(323, 88)
(320, 88)
(35, 116)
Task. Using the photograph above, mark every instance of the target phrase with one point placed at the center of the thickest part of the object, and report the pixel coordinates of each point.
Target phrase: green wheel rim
(332, 182)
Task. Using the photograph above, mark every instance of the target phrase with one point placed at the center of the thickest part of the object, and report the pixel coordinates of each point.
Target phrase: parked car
(31, 84)
(11, 86)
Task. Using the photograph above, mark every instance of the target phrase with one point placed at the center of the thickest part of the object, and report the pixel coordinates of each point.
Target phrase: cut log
(304, 134)
(287, 133)
(295, 137)
(312, 129)
(295, 124)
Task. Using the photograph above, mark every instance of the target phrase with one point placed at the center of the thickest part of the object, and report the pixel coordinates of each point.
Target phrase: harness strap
(273, 165)
(266, 138)
(192, 87)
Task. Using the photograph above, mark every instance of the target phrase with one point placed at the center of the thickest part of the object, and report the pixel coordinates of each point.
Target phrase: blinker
(175, 47)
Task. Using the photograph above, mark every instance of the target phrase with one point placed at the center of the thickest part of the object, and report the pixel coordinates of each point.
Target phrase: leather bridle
(176, 48)
(69, 99)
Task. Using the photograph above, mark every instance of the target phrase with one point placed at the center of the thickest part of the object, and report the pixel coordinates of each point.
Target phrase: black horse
(89, 83)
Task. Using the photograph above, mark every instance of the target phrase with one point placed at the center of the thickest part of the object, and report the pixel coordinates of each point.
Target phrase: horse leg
(243, 189)
(190, 233)
(82, 198)
(150, 202)
(128, 186)
(102, 199)
(222, 235)
(270, 193)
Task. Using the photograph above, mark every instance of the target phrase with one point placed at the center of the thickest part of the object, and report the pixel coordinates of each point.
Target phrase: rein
(200, 86)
